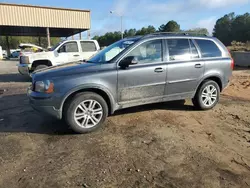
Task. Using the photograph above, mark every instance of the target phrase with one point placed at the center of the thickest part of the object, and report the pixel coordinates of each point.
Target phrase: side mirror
(130, 60)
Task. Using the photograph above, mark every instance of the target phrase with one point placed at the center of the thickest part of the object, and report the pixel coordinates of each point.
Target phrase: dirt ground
(154, 146)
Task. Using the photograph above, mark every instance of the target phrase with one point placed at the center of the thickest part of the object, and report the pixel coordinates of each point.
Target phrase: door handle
(198, 66)
(76, 55)
(159, 69)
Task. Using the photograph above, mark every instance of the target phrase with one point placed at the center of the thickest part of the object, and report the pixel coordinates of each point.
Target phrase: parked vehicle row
(64, 52)
(13, 53)
(24, 48)
(131, 72)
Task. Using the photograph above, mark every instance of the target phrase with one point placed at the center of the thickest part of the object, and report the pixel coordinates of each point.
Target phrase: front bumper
(41, 105)
(24, 69)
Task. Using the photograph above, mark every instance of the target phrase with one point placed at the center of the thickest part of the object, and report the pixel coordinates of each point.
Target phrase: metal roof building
(27, 20)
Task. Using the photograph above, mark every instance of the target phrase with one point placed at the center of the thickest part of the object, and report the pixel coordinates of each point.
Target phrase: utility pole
(48, 37)
(88, 33)
(121, 27)
(121, 17)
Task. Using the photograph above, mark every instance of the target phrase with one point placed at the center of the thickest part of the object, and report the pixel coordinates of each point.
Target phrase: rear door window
(88, 46)
(208, 48)
(179, 49)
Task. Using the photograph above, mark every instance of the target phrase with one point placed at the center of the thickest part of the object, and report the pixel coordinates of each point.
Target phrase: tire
(40, 67)
(207, 95)
(85, 122)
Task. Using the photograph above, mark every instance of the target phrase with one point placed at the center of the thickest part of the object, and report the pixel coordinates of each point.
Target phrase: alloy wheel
(88, 113)
(209, 95)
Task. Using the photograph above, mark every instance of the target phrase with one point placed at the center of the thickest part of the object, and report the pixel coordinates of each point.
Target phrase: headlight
(44, 86)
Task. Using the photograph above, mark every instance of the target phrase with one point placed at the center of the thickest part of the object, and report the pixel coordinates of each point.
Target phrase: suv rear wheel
(207, 96)
(86, 112)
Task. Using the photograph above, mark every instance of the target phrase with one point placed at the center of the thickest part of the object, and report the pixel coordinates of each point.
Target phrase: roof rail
(178, 33)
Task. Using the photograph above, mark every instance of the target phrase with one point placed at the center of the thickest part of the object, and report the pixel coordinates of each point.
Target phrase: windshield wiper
(84, 61)
(90, 61)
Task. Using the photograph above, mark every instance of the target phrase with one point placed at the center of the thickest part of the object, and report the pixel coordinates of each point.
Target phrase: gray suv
(134, 71)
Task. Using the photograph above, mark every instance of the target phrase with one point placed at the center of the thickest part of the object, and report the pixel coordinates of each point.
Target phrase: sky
(141, 13)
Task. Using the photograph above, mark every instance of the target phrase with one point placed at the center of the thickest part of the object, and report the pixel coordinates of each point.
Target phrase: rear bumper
(24, 69)
(226, 85)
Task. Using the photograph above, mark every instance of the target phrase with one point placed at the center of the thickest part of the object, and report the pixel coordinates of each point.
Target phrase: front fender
(91, 86)
(48, 56)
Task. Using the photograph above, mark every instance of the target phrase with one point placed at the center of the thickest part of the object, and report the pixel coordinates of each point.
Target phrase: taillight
(232, 60)
(232, 63)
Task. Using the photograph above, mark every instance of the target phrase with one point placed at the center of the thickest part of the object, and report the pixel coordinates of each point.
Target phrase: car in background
(134, 71)
(64, 52)
(15, 54)
(1, 53)
(4, 54)
(27, 48)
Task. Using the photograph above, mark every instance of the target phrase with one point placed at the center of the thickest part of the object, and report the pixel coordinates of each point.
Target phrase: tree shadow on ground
(16, 115)
(15, 77)
(172, 105)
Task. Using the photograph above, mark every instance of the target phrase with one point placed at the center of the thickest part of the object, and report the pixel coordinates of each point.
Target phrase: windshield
(113, 50)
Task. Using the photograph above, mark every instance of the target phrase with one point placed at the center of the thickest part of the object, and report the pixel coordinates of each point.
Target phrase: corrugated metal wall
(32, 16)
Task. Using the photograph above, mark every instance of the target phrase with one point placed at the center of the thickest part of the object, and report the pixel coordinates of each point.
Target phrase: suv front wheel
(207, 95)
(86, 112)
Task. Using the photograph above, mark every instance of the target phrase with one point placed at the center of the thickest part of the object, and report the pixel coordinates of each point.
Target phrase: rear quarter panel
(219, 67)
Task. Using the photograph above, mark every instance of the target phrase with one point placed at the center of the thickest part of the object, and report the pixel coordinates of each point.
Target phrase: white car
(4, 54)
(64, 52)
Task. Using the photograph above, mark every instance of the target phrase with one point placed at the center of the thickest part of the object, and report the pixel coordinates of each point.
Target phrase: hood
(66, 70)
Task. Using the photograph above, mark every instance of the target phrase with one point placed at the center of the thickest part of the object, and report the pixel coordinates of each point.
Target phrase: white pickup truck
(64, 52)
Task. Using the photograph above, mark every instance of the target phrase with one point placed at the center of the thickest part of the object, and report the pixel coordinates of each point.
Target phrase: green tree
(223, 28)
(108, 38)
(233, 28)
(146, 30)
(171, 26)
(240, 28)
(162, 28)
(130, 32)
(96, 37)
(198, 31)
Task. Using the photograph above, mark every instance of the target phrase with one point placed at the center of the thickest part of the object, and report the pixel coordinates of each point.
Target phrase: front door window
(148, 52)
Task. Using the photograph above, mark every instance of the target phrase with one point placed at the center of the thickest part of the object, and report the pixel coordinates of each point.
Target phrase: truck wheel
(86, 112)
(41, 67)
(207, 95)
